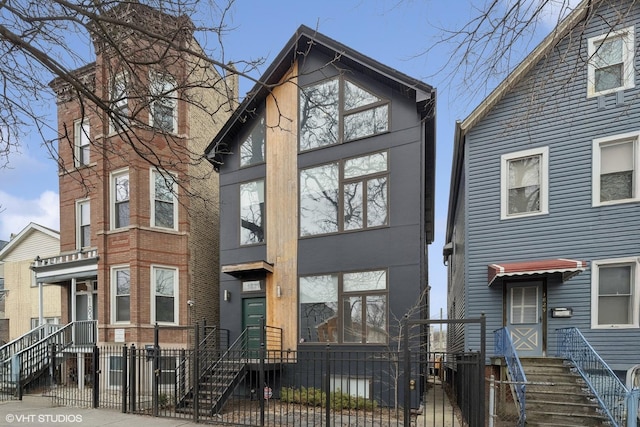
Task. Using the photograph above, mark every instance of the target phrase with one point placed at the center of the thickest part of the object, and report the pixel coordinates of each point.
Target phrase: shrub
(316, 397)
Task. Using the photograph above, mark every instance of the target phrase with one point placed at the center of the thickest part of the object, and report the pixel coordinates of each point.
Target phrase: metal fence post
(196, 374)
(632, 407)
(327, 386)
(96, 376)
(125, 378)
(407, 372)
(156, 372)
(263, 383)
(132, 379)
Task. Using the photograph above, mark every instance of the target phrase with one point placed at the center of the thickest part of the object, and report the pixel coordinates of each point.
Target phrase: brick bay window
(164, 206)
(83, 224)
(347, 308)
(81, 136)
(119, 199)
(119, 96)
(164, 298)
(164, 105)
(120, 295)
(614, 293)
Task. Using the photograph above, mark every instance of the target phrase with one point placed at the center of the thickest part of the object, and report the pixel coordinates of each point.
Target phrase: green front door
(253, 309)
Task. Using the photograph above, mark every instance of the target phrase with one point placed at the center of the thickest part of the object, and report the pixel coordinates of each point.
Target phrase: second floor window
(611, 58)
(615, 169)
(82, 142)
(83, 220)
(162, 88)
(524, 181)
(347, 195)
(252, 212)
(120, 199)
(164, 204)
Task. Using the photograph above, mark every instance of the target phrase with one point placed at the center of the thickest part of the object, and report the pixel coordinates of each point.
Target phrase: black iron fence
(218, 382)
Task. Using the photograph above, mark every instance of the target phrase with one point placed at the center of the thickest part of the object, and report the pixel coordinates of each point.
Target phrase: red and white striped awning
(567, 267)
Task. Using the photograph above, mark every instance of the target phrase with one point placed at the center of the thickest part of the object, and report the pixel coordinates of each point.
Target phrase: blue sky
(393, 32)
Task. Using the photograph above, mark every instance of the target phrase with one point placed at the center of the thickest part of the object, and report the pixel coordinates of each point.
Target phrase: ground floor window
(344, 307)
(615, 293)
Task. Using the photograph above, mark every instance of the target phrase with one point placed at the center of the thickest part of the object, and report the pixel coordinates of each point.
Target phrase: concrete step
(548, 418)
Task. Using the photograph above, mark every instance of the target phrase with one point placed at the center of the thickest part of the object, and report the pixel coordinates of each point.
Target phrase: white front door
(524, 317)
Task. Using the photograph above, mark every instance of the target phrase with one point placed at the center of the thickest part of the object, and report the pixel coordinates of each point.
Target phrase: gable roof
(26, 232)
(576, 16)
(299, 45)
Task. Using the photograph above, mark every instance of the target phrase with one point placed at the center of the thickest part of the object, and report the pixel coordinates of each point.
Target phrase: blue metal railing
(504, 347)
(619, 404)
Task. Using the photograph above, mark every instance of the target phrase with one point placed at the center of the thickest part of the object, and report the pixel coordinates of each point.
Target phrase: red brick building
(138, 206)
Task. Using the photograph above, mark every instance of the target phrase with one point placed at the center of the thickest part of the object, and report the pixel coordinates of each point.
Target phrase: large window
(325, 121)
(615, 169)
(252, 212)
(119, 199)
(83, 224)
(81, 135)
(344, 308)
(611, 62)
(165, 295)
(252, 148)
(116, 369)
(164, 111)
(163, 200)
(119, 102)
(614, 293)
(349, 195)
(120, 295)
(524, 183)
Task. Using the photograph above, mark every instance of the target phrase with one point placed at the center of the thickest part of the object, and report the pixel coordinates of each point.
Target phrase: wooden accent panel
(282, 206)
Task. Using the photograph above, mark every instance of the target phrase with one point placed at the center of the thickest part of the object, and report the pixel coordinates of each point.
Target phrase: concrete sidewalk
(38, 411)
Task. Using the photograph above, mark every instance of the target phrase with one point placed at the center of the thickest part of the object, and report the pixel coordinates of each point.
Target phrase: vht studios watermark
(43, 418)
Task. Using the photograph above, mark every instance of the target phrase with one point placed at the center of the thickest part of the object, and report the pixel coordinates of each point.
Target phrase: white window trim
(152, 197)
(635, 291)
(171, 97)
(595, 183)
(113, 290)
(112, 197)
(79, 224)
(543, 152)
(78, 126)
(627, 35)
(176, 294)
(119, 77)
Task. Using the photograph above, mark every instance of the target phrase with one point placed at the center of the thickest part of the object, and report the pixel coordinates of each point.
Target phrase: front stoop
(558, 397)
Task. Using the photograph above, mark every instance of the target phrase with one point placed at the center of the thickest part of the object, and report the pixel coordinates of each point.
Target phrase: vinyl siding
(550, 109)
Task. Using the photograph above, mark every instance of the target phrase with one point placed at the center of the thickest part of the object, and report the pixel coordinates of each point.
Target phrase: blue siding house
(543, 227)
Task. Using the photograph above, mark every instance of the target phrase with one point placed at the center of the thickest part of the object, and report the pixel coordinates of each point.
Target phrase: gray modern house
(326, 198)
(542, 230)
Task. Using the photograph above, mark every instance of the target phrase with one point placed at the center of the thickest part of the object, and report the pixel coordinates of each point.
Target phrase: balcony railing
(65, 258)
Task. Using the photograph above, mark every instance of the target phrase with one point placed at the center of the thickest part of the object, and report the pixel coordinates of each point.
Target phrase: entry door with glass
(525, 317)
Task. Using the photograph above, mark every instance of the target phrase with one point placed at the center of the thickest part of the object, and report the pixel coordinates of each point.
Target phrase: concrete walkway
(437, 410)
